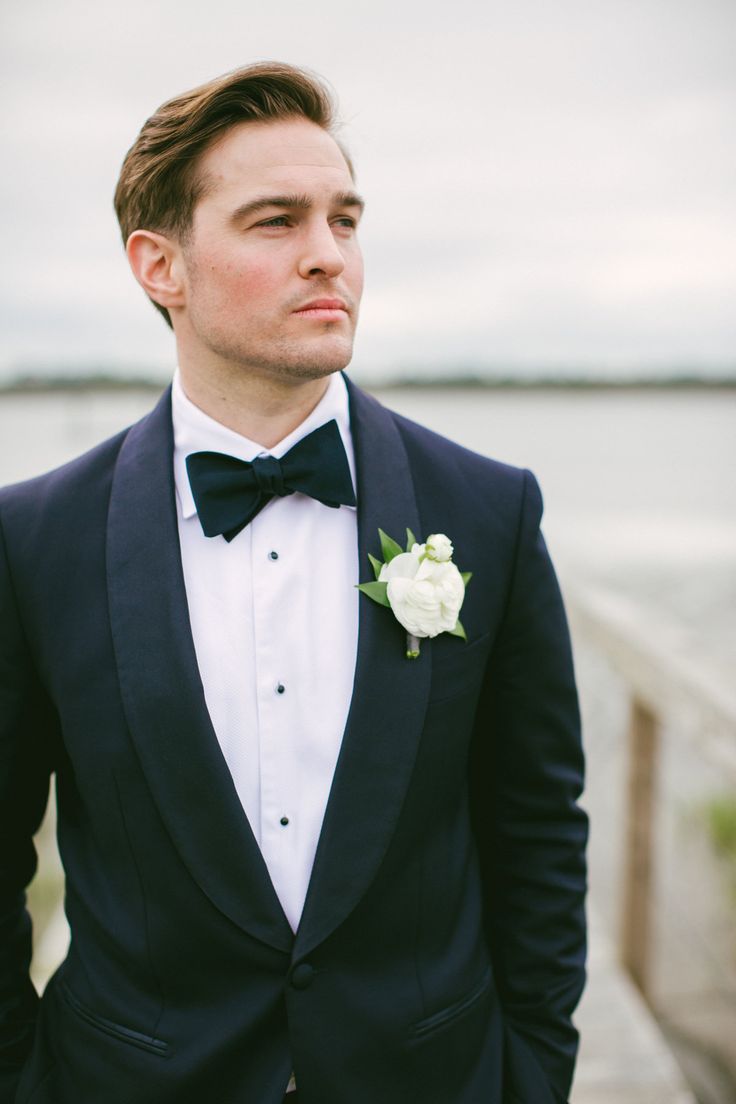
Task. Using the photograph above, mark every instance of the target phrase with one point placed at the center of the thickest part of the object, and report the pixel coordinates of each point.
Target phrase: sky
(550, 187)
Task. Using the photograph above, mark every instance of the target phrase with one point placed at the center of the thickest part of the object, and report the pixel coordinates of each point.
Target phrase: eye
(346, 221)
(277, 221)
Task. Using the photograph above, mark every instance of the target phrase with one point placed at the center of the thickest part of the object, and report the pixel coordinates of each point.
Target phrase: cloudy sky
(549, 185)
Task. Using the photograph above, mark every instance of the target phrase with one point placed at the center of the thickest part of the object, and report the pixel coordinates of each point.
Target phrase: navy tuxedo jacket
(441, 950)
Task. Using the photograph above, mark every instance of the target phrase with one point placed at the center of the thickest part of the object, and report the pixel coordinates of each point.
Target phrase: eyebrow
(292, 202)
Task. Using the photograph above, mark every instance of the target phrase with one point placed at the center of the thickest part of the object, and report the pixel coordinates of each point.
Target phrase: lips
(322, 305)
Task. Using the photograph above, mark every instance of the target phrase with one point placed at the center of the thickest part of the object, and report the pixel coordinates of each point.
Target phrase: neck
(263, 409)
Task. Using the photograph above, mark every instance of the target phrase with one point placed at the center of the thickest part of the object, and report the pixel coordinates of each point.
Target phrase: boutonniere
(421, 586)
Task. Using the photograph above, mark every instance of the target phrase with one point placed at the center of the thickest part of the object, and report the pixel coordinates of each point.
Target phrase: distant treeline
(27, 384)
(105, 381)
(560, 382)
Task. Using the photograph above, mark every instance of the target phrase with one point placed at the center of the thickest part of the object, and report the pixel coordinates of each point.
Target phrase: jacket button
(302, 975)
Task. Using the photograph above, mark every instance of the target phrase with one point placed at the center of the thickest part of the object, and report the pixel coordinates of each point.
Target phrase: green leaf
(377, 565)
(466, 576)
(458, 631)
(376, 591)
(389, 547)
(411, 540)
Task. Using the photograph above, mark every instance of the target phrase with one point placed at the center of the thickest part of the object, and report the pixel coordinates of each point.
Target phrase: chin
(311, 371)
(317, 363)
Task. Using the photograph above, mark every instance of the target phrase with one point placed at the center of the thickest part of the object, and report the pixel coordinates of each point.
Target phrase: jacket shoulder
(73, 490)
(485, 487)
(68, 503)
(418, 440)
(67, 480)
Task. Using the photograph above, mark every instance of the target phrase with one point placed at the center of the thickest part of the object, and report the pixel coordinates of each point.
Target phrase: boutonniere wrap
(421, 586)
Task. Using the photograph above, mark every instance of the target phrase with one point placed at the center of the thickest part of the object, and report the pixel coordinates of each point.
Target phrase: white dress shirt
(274, 616)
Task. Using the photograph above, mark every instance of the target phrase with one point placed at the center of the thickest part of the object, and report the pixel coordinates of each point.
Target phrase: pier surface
(624, 1058)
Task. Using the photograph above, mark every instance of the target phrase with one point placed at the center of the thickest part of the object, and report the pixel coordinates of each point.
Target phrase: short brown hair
(158, 187)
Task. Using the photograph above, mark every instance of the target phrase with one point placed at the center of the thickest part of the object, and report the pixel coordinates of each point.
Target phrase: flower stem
(412, 646)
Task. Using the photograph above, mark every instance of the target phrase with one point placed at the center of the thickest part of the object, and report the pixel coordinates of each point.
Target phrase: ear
(157, 265)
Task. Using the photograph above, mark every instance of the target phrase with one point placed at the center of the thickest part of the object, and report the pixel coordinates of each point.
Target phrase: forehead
(283, 152)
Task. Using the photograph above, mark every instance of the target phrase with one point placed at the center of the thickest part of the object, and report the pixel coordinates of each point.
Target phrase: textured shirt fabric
(274, 617)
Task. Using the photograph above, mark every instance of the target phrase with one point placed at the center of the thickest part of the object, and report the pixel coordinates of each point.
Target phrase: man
(295, 858)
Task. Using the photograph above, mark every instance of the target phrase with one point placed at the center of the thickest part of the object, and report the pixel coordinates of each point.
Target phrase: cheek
(254, 282)
(237, 283)
(354, 274)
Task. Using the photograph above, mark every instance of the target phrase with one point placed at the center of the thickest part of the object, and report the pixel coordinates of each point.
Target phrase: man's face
(273, 271)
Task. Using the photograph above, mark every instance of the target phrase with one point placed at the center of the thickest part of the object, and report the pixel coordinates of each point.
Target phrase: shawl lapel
(389, 695)
(162, 690)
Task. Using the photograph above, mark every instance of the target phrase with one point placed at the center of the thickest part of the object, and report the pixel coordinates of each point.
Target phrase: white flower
(422, 587)
(439, 548)
(425, 595)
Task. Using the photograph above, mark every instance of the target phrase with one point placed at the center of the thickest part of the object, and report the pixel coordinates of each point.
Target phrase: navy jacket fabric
(441, 950)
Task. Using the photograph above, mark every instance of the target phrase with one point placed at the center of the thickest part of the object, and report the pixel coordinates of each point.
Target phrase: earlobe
(154, 259)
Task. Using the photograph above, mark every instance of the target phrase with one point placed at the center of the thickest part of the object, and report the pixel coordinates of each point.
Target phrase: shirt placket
(274, 691)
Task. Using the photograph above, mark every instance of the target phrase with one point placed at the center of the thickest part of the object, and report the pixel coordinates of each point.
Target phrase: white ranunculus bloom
(425, 596)
(439, 547)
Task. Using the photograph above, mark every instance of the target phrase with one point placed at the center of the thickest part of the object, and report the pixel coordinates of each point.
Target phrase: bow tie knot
(269, 476)
(228, 492)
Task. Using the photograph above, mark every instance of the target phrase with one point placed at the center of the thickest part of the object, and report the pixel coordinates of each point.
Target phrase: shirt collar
(195, 431)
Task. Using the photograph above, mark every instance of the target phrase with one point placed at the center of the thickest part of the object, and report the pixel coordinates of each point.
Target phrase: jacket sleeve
(526, 776)
(26, 723)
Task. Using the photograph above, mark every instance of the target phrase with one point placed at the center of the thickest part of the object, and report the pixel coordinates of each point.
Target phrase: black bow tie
(230, 492)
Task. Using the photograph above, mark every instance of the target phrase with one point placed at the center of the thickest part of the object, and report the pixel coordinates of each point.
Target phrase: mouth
(323, 310)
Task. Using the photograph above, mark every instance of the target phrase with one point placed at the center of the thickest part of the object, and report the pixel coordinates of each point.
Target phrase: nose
(321, 255)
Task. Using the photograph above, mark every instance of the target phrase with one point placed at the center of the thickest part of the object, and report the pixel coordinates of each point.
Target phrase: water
(639, 485)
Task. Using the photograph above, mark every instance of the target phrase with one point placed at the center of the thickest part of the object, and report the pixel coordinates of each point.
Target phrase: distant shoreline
(45, 385)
